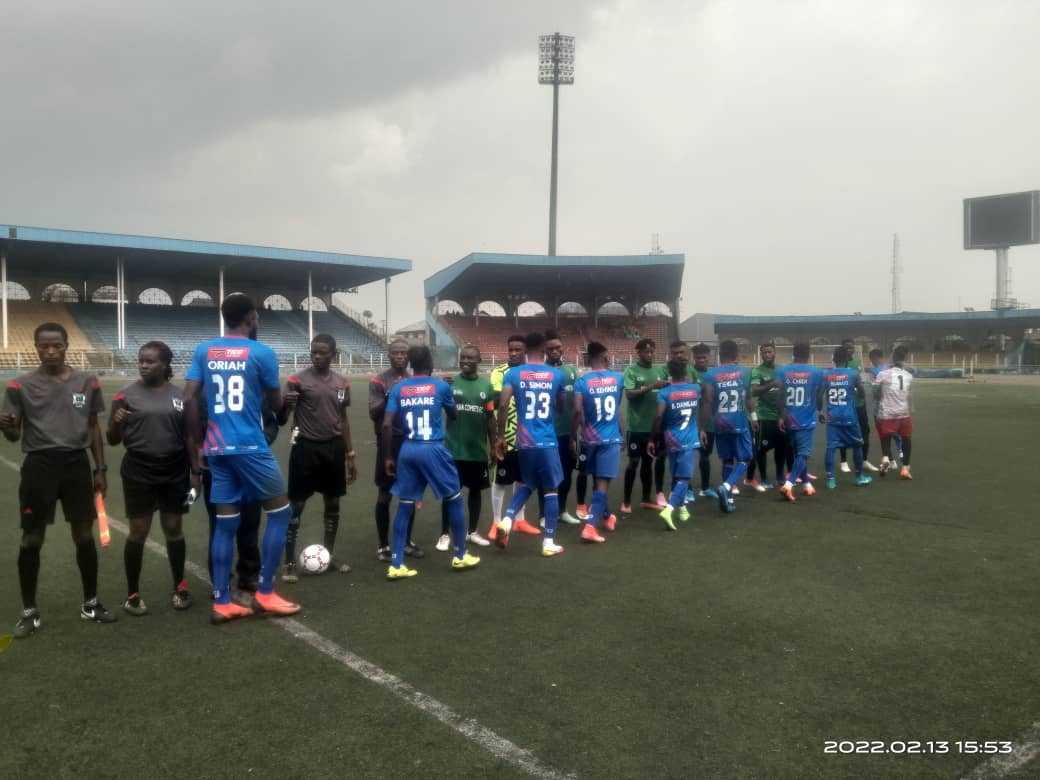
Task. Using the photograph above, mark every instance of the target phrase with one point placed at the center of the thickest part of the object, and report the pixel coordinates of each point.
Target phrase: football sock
(598, 508)
(857, 458)
(331, 528)
(552, 514)
(401, 522)
(798, 469)
(498, 498)
(736, 473)
(457, 516)
(272, 546)
(906, 451)
(86, 557)
(678, 497)
(541, 502)
(383, 521)
(520, 495)
(177, 551)
(886, 447)
(659, 464)
(630, 479)
(411, 525)
(565, 488)
(222, 549)
(844, 455)
(292, 532)
(445, 518)
(828, 462)
(133, 554)
(581, 487)
(646, 464)
(28, 574)
(473, 502)
(704, 464)
(727, 469)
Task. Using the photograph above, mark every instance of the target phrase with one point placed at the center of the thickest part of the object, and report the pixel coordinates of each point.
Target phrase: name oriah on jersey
(418, 395)
(536, 380)
(602, 385)
(684, 399)
(227, 358)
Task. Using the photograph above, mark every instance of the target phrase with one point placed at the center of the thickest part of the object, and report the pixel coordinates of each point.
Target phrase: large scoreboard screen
(1000, 221)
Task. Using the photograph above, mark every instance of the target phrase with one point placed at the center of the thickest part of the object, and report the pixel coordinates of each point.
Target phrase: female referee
(148, 418)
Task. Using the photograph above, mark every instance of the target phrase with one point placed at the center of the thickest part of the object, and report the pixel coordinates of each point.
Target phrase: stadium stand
(24, 316)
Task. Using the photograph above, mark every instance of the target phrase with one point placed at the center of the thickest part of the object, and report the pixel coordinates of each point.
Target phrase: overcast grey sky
(778, 144)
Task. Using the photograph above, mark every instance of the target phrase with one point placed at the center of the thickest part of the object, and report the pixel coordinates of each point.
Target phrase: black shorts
(508, 471)
(317, 467)
(50, 476)
(473, 474)
(770, 437)
(142, 499)
(637, 442)
(383, 481)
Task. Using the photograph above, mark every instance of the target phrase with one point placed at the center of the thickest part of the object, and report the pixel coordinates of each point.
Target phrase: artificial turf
(733, 647)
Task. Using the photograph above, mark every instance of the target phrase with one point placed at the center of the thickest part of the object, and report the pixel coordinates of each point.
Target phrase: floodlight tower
(556, 67)
(897, 271)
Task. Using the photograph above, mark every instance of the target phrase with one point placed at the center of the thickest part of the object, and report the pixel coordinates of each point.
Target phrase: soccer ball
(315, 559)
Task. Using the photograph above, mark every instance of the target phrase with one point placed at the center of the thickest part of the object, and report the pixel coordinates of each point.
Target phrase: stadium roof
(91, 255)
(1028, 318)
(488, 276)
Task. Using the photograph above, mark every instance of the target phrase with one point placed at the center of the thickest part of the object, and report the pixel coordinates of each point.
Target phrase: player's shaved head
(801, 351)
(534, 341)
(677, 369)
(420, 359)
(326, 339)
(236, 308)
(50, 327)
(899, 354)
(876, 353)
(728, 351)
(597, 352)
(701, 349)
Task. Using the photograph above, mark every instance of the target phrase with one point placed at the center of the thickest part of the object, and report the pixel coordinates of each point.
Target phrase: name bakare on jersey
(418, 395)
(536, 380)
(227, 358)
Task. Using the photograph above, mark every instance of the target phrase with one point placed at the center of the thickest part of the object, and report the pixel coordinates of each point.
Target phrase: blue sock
(828, 461)
(736, 474)
(520, 496)
(798, 468)
(552, 514)
(598, 510)
(400, 539)
(678, 497)
(457, 519)
(222, 551)
(273, 546)
(857, 459)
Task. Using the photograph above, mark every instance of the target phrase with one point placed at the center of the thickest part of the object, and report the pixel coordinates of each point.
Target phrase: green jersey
(467, 435)
(641, 411)
(563, 419)
(698, 377)
(857, 365)
(763, 375)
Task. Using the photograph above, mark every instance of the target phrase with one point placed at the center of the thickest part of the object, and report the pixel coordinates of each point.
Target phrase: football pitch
(735, 647)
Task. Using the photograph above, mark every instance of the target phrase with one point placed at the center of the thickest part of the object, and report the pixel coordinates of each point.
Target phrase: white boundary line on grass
(482, 736)
(1027, 748)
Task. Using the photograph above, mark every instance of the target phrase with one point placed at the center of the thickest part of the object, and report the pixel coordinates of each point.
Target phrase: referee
(322, 459)
(54, 411)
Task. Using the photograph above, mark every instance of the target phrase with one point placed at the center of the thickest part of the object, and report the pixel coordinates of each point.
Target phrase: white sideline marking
(1027, 748)
(498, 746)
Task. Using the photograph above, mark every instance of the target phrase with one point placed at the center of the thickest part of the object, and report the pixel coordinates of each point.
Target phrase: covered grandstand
(615, 299)
(115, 292)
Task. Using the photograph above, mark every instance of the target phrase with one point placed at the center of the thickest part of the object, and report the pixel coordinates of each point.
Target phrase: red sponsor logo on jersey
(227, 353)
(537, 376)
(601, 381)
(683, 395)
(797, 374)
(417, 390)
(728, 376)
(837, 378)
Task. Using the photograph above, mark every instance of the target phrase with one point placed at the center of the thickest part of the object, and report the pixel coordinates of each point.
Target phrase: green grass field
(734, 648)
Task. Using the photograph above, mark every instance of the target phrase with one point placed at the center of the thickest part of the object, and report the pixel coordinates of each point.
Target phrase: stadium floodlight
(556, 67)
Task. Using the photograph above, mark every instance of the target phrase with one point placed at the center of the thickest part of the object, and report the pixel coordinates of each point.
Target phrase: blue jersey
(235, 373)
(536, 387)
(731, 385)
(679, 425)
(601, 403)
(415, 405)
(840, 384)
(800, 384)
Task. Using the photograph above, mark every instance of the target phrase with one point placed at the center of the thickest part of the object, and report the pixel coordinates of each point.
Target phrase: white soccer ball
(315, 559)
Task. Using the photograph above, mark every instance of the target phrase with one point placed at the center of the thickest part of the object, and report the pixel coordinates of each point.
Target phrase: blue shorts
(244, 479)
(540, 468)
(681, 463)
(801, 442)
(734, 446)
(843, 436)
(425, 463)
(601, 460)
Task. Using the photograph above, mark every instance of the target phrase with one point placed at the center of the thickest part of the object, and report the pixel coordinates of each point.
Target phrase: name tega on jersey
(227, 358)
(729, 379)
